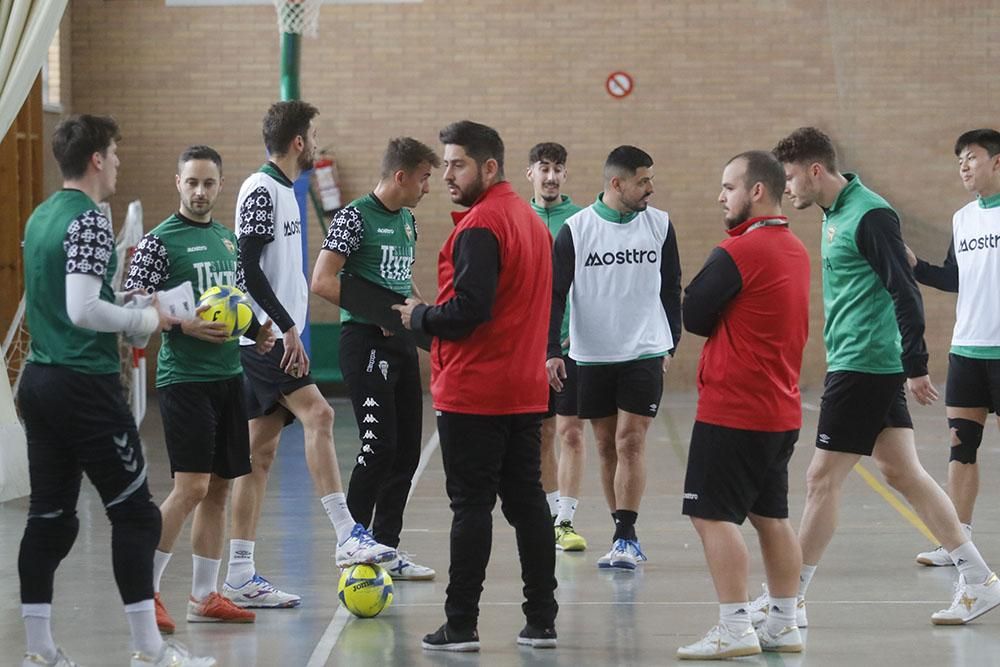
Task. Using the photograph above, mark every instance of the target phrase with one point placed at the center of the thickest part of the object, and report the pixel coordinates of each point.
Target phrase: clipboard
(374, 303)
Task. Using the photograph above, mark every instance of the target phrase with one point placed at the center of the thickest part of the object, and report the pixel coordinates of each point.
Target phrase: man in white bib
(617, 261)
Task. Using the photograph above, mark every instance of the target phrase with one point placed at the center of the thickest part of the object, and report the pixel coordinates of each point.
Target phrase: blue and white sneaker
(623, 554)
(361, 547)
(402, 568)
(259, 593)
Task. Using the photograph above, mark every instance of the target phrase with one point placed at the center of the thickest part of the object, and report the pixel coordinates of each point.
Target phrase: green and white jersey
(67, 234)
(554, 218)
(379, 245)
(181, 250)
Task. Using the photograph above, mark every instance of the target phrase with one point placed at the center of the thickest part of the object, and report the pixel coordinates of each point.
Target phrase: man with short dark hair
(200, 385)
(278, 386)
(874, 345)
(561, 478)
(73, 364)
(751, 300)
(488, 384)
(619, 255)
(375, 238)
(971, 268)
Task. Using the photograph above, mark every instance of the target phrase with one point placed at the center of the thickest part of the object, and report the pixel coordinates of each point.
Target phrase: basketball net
(298, 17)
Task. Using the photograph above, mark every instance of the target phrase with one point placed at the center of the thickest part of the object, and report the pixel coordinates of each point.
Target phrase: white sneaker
(173, 654)
(625, 554)
(34, 660)
(786, 640)
(720, 643)
(605, 561)
(259, 593)
(970, 602)
(758, 609)
(936, 557)
(402, 568)
(360, 548)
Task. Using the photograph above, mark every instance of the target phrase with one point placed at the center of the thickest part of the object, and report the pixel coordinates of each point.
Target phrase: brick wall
(893, 82)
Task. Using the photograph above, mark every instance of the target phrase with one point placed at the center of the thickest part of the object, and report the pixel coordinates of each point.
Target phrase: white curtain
(27, 29)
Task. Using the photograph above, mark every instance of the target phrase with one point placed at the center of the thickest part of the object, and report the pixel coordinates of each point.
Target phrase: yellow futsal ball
(228, 305)
(365, 590)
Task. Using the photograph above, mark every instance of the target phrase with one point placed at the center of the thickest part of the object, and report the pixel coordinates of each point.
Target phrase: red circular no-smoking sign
(619, 84)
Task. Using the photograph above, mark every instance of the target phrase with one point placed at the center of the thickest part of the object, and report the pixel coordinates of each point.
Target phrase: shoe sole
(166, 630)
(536, 643)
(410, 577)
(574, 547)
(930, 563)
(279, 605)
(621, 565)
(960, 621)
(342, 564)
(735, 653)
(193, 618)
(461, 647)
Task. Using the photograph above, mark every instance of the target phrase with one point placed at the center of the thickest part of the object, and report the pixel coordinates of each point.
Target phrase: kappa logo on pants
(370, 403)
(690, 496)
(371, 361)
(125, 452)
(384, 367)
(369, 419)
(367, 449)
(361, 461)
(369, 435)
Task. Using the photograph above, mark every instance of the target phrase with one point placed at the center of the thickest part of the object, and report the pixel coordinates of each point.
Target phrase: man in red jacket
(489, 385)
(751, 299)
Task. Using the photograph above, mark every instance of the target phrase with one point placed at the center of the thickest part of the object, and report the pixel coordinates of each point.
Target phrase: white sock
(142, 622)
(38, 630)
(553, 500)
(780, 614)
(567, 509)
(805, 576)
(206, 576)
(970, 563)
(241, 565)
(160, 560)
(734, 616)
(967, 527)
(335, 505)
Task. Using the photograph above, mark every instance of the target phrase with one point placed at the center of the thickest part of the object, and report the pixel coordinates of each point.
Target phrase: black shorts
(632, 386)
(564, 402)
(973, 383)
(205, 426)
(732, 472)
(856, 407)
(264, 383)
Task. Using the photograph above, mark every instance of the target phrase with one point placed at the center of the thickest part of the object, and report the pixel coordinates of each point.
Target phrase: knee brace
(47, 540)
(966, 436)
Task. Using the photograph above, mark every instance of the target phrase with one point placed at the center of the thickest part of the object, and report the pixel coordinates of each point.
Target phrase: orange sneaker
(163, 620)
(217, 609)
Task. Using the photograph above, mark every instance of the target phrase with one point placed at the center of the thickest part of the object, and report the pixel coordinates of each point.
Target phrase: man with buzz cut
(971, 268)
(75, 317)
(874, 346)
(200, 385)
(751, 300)
(278, 386)
(374, 238)
(562, 476)
(619, 256)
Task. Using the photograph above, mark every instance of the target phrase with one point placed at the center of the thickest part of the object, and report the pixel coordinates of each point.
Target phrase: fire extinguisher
(326, 183)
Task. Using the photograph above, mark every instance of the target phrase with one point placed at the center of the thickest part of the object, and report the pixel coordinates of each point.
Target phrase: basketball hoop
(298, 17)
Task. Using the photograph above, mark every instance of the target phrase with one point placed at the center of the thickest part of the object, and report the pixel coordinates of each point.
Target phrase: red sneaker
(217, 609)
(163, 620)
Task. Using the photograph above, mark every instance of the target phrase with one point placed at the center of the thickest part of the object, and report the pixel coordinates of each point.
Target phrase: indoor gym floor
(869, 604)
